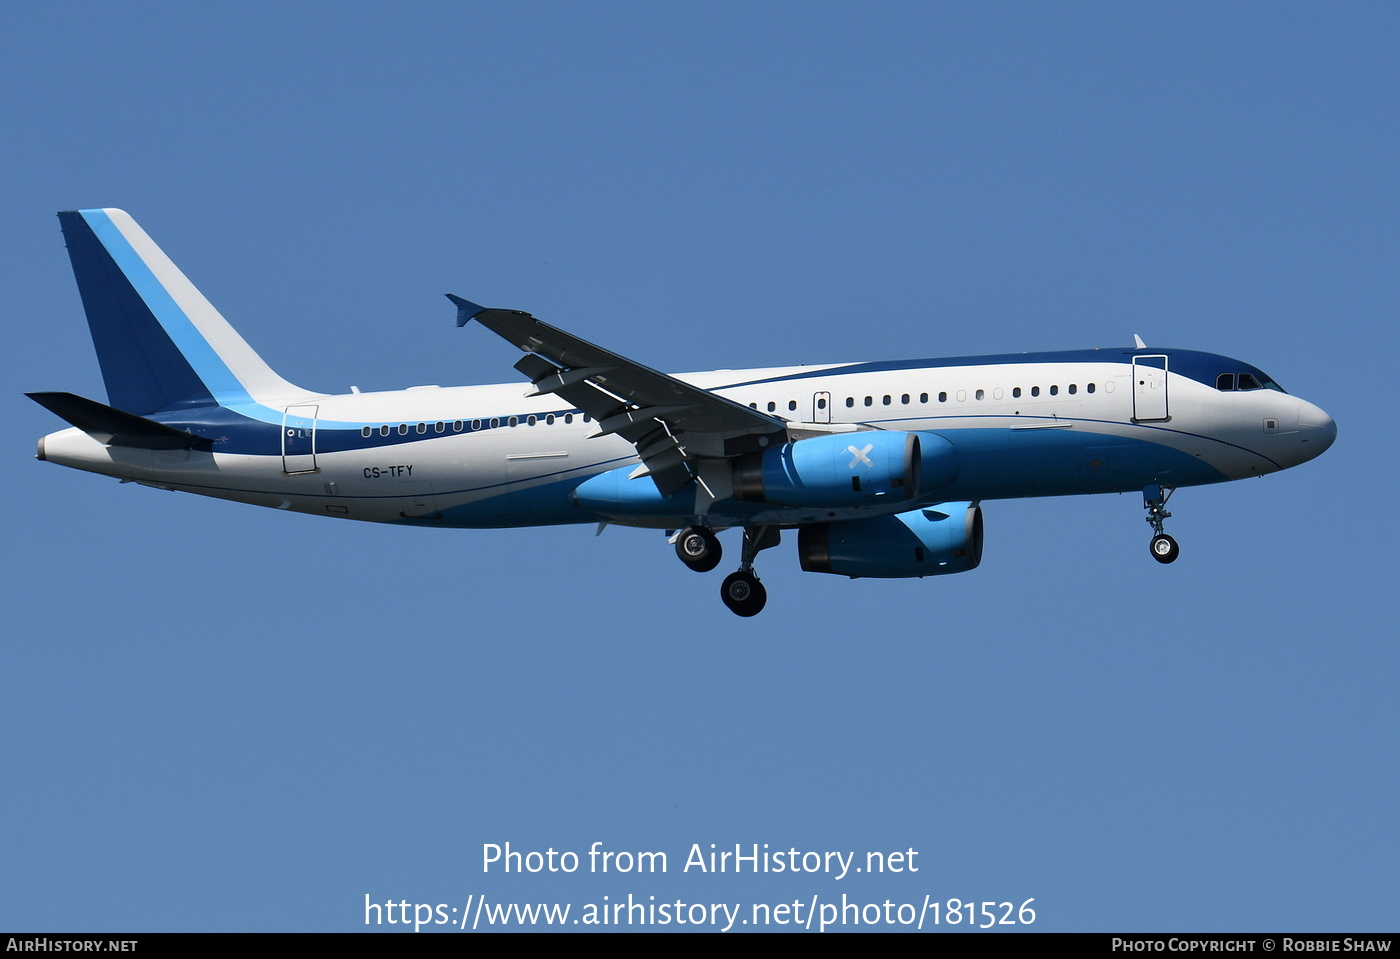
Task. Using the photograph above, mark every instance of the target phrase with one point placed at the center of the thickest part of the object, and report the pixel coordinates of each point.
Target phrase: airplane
(880, 468)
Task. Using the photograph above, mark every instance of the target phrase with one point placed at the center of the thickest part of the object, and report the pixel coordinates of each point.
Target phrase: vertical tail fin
(160, 343)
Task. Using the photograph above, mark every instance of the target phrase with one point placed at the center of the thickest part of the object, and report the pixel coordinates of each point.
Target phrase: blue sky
(224, 718)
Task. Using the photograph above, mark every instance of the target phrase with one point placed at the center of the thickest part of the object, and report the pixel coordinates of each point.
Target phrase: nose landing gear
(1164, 548)
(1154, 499)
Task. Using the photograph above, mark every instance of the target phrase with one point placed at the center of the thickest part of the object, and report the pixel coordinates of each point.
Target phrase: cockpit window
(1229, 382)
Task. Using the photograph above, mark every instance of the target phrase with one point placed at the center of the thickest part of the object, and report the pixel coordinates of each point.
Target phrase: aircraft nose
(1317, 430)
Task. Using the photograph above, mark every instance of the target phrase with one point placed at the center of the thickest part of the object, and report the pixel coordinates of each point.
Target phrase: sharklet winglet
(466, 309)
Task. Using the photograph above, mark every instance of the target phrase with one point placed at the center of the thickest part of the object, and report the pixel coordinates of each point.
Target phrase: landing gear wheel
(698, 548)
(1164, 548)
(743, 594)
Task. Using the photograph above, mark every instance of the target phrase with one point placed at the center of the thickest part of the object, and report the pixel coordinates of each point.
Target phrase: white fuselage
(487, 456)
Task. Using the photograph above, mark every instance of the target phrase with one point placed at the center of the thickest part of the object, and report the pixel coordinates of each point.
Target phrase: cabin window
(981, 394)
(367, 431)
(476, 425)
(942, 397)
(513, 421)
(1090, 388)
(887, 399)
(439, 426)
(923, 397)
(1016, 392)
(568, 417)
(1073, 389)
(549, 420)
(1035, 391)
(383, 431)
(772, 406)
(850, 401)
(403, 429)
(456, 426)
(792, 405)
(422, 428)
(495, 422)
(530, 420)
(904, 399)
(870, 401)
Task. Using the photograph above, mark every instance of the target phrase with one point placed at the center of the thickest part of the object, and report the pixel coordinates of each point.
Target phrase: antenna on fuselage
(1138, 343)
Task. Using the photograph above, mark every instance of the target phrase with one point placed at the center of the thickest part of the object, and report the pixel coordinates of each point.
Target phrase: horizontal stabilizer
(116, 427)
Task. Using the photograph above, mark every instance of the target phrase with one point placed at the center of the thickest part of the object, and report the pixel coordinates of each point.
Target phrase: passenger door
(1150, 388)
(299, 439)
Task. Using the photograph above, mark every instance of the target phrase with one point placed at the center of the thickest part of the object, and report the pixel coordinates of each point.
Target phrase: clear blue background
(215, 717)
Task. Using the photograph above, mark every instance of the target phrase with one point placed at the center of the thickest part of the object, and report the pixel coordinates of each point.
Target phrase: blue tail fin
(160, 343)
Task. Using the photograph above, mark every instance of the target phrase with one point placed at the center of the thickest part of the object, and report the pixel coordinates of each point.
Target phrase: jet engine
(847, 469)
(920, 542)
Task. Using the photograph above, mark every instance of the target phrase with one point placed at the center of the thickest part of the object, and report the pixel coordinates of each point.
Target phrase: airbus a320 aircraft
(879, 467)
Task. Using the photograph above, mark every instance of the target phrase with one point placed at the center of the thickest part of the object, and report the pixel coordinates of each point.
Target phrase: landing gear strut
(742, 592)
(1154, 500)
(698, 548)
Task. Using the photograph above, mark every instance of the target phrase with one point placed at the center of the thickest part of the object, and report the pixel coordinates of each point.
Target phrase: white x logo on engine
(860, 456)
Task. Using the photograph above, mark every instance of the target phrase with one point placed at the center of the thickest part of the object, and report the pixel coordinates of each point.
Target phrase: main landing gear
(1154, 500)
(741, 591)
(699, 549)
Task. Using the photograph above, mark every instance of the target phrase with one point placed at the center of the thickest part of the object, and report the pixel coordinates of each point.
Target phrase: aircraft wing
(671, 423)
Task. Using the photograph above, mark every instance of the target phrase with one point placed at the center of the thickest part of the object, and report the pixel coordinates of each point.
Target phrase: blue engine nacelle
(921, 542)
(847, 469)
